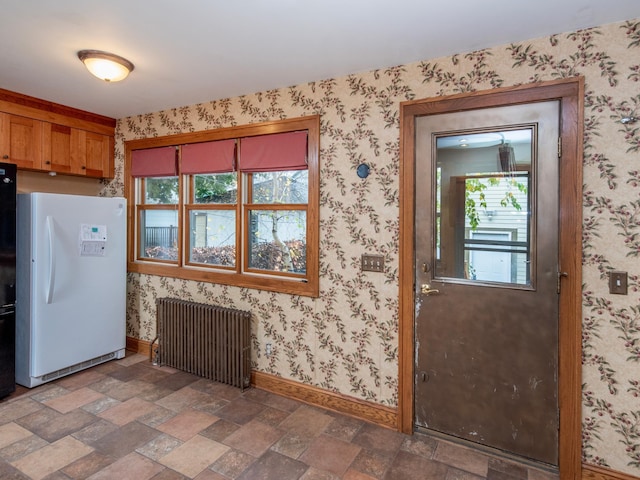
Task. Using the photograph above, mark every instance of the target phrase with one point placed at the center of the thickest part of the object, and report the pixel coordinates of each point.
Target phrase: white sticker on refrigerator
(93, 240)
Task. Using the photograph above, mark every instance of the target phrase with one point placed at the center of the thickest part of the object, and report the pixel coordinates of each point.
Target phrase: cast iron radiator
(207, 340)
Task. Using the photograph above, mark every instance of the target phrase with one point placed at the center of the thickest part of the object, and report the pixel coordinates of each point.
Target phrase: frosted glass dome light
(106, 66)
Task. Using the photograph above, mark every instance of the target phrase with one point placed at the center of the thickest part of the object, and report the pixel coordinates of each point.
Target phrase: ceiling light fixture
(106, 66)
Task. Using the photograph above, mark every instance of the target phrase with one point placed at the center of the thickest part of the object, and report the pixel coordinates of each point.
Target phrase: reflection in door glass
(483, 206)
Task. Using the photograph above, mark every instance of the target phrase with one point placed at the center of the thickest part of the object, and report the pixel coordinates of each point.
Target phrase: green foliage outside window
(479, 185)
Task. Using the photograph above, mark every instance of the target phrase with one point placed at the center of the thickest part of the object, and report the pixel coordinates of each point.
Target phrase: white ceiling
(193, 51)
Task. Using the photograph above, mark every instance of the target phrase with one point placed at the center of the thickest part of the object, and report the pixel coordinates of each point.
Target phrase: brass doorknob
(426, 289)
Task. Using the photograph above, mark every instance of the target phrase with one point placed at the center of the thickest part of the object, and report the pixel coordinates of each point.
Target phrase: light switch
(372, 263)
(618, 283)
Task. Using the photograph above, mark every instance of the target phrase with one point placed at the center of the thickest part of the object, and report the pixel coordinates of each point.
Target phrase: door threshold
(495, 452)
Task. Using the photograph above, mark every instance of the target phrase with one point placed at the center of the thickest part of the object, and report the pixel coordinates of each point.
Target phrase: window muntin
(214, 214)
(277, 220)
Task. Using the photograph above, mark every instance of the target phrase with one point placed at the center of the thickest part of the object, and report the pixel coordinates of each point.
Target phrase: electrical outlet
(618, 283)
(372, 263)
(267, 349)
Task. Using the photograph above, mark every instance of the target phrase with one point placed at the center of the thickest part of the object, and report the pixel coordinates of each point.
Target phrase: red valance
(275, 152)
(154, 162)
(208, 157)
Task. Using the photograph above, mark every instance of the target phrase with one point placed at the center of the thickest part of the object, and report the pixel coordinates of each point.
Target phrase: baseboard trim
(591, 472)
(369, 412)
(136, 345)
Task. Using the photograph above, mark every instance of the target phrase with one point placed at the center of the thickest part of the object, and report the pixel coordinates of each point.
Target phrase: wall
(346, 340)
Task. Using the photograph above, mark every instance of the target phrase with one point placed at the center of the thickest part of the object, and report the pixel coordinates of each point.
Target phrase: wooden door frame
(570, 94)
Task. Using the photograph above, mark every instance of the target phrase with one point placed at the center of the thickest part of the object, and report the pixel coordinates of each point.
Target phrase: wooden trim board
(369, 412)
(591, 472)
(373, 413)
(136, 345)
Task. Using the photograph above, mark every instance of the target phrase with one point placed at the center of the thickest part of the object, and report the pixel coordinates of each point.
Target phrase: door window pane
(277, 240)
(159, 234)
(213, 237)
(484, 206)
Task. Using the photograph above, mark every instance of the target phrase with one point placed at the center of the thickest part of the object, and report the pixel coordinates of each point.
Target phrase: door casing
(570, 94)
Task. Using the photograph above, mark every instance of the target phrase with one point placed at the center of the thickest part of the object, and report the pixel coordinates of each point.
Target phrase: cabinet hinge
(560, 276)
(559, 147)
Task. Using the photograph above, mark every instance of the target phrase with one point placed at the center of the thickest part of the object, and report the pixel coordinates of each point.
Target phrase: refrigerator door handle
(51, 232)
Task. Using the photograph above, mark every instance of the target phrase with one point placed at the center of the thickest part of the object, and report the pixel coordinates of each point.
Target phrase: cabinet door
(91, 154)
(21, 141)
(56, 156)
(99, 155)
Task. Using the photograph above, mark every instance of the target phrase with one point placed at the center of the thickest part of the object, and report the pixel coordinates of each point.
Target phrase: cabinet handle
(47, 162)
(83, 167)
(5, 157)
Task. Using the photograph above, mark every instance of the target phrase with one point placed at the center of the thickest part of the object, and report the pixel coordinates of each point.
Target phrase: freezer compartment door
(78, 279)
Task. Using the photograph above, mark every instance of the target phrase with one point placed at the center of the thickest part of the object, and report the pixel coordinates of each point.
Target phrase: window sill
(245, 280)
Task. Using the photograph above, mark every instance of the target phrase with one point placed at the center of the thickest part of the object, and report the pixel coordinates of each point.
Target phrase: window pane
(213, 237)
(159, 234)
(161, 190)
(216, 188)
(483, 202)
(278, 240)
(280, 187)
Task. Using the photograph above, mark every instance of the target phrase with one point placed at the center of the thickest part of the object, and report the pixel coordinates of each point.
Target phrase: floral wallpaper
(346, 340)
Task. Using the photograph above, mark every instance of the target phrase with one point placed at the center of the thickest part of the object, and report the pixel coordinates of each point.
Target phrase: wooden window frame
(240, 276)
(140, 207)
(191, 205)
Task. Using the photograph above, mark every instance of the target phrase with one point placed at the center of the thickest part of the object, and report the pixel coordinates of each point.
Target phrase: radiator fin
(207, 340)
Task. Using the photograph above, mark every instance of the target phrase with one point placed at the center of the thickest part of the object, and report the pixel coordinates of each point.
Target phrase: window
(484, 206)
(236, 206)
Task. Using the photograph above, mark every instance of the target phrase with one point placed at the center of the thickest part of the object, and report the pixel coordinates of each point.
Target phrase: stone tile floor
(127, 419)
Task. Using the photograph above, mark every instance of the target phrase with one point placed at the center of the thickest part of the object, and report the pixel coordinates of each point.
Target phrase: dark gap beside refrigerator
(7, 278)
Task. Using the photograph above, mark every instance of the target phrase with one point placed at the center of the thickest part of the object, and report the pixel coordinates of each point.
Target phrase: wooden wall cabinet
(92, 153)
(21, 141)
(56, 141)
(43, 136)
(73, 151)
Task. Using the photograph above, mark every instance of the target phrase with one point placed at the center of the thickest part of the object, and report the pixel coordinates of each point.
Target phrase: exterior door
(486, 276)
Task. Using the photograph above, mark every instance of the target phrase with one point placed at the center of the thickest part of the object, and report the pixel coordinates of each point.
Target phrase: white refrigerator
(71, 284)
